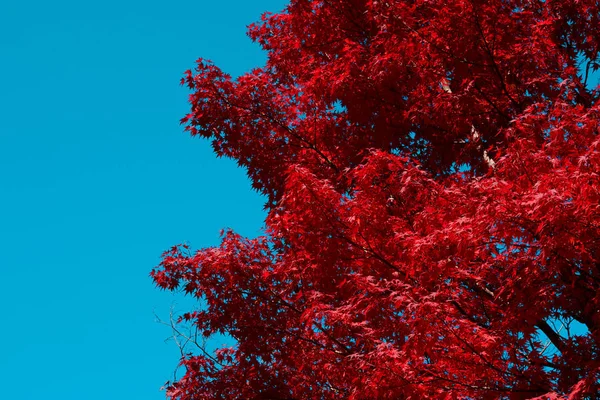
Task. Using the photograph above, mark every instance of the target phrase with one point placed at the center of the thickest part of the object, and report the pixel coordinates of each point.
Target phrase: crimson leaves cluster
(431, 170)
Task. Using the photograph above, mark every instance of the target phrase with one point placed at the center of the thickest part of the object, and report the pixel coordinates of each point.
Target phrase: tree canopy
(431, 170)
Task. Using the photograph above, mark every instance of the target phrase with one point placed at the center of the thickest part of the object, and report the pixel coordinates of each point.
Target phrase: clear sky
(98, 179)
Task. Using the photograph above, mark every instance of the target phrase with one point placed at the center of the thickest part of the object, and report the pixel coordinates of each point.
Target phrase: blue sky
(98, 179)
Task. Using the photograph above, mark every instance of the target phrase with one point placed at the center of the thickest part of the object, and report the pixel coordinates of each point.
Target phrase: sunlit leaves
(432, 176)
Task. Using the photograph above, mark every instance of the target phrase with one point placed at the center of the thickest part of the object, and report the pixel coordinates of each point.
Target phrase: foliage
(431, 171)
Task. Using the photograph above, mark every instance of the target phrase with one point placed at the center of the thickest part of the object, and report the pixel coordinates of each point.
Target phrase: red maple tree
(433, 230)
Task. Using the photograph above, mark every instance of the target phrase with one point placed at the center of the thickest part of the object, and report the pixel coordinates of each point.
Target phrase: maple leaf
(431, 172)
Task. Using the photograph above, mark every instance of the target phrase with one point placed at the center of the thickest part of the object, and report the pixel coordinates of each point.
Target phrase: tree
(431, 170)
